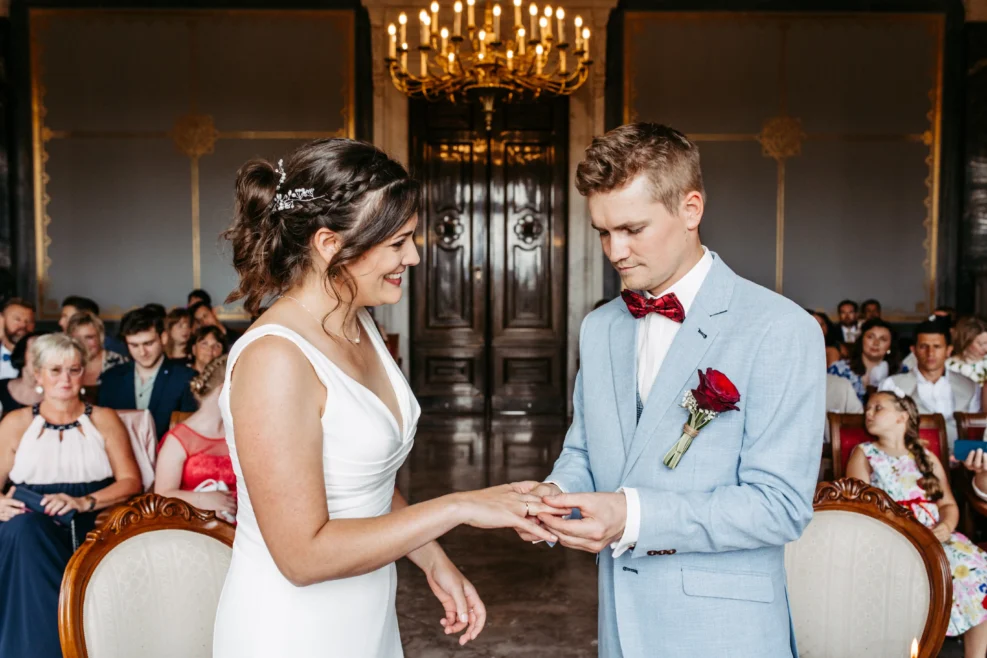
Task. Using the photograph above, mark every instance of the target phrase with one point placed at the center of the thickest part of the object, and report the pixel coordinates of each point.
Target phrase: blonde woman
(90, 331)
(969, 349)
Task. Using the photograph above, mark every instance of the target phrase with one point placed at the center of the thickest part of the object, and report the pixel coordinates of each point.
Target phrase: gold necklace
(355, 341)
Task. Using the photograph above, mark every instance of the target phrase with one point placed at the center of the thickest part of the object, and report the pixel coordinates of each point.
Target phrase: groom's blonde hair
(668, 158)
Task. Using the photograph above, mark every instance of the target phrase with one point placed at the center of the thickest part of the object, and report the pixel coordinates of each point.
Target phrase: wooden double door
(488, 299)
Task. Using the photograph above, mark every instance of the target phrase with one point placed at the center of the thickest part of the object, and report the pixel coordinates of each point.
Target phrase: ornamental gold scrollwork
(781, 137)
(195, 135)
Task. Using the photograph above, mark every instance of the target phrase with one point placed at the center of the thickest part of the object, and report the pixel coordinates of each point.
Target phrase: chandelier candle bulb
(424, 63)
(510, 60)
(483, 42)
(546, 30)
(586, 44)
(445, 40)
(423, 18)
(546, 33)
(539, 49)
(579, 31)
(496, 22)
(435, 17)
(457, 26)
(403, 21)
(452, 63)
(404, 57)
(470, 20)
(562, 61)
(392, 47)
(533, 10)
(517, 14)
(520, 41)
(560, 16)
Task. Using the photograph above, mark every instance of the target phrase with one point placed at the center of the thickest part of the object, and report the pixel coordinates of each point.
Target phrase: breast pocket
(738, 586)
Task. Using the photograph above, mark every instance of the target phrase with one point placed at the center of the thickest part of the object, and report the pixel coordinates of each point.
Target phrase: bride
(319, 418)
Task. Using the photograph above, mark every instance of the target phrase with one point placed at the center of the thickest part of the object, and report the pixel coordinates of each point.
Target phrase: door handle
(478, 273)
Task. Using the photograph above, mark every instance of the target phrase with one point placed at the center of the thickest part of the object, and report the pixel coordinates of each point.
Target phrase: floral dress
(976, 371)
(899, 476)
(842, 369)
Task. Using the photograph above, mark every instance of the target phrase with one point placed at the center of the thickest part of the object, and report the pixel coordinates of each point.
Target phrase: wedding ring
(527, 512)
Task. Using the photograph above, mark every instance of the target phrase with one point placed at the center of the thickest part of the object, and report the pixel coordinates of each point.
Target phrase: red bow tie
(667, 305)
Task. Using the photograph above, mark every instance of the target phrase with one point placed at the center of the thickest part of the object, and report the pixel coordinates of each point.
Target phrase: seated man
(935, 389)
(18, 321)
(204, 316)
(150, 381)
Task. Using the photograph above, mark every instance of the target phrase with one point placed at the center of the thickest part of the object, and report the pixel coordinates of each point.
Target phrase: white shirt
(936, 396)
(7, 370)
(850, 334)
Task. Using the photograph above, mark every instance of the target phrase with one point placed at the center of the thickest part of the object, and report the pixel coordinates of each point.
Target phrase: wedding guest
(898, 463)
(873, 358)
(88, 329)
(21, 391)
(870, 309)
(204, 316)
(830, 335)
(970, 350)
(78, 457)
(943, 314)
(207, 343)
(934, 389)
(150, 381)
(75, 304)
(18, 321)
(198, 295)
(195, 453)
(177, 331)
(847, 311)
(156, 310)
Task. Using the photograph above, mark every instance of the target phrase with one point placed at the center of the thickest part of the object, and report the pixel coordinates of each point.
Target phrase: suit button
(671, 552)
(652, 553)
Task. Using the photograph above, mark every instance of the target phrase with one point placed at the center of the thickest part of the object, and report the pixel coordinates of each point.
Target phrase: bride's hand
(505, 507)
(463, 607)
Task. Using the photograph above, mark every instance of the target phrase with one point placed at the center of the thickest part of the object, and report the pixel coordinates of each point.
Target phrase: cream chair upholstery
(146, 583)
(866, 578)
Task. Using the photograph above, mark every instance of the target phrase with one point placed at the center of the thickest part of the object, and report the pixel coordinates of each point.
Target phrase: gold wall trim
(194, 134)
(635, 23)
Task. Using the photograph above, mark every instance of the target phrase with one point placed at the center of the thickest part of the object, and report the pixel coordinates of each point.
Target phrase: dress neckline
(36, 410)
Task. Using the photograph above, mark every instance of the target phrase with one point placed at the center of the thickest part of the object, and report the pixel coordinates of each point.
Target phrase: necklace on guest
(355, 341)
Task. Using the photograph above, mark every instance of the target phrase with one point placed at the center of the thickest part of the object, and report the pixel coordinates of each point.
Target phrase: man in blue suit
(150, 381)
(691, 558)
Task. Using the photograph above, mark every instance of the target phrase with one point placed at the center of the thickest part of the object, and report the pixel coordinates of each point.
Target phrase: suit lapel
(129, 392)
(623, 367)
(684, 356)
(159, 385)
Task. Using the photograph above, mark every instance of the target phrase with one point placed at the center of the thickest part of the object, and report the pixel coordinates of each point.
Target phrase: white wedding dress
(261, 614)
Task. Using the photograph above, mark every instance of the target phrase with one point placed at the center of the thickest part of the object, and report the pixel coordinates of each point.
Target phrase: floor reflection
(540, 601)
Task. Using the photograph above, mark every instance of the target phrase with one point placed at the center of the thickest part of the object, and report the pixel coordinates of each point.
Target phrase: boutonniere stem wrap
(714, 395)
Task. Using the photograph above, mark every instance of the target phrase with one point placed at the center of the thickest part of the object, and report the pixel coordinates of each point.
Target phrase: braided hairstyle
(359, 193)
(212, 377)
(929, 482)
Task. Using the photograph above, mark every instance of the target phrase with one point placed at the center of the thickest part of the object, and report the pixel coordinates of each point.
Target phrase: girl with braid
(898, 463)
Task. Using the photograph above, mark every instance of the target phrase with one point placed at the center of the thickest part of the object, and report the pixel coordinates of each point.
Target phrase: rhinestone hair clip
(287, 200)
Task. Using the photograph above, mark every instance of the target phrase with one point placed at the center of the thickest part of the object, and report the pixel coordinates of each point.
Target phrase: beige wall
(142, 120)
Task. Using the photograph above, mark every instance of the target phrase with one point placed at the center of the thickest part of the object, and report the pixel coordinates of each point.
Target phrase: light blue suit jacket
(707, 576)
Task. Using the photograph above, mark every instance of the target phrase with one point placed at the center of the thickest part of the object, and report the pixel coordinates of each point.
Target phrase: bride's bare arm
(276, 402)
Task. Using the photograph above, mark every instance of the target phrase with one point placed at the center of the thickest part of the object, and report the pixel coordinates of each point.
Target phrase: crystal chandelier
(487, 62)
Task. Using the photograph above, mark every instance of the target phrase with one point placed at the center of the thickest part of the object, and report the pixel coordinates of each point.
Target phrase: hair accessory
(280, 170)
(287, 200)
(898, 393)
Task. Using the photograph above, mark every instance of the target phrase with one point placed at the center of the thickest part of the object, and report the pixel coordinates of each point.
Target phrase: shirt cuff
(977, 492)
(632, 527)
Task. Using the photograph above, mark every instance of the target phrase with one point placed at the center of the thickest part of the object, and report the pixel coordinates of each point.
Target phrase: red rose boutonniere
(715, 394)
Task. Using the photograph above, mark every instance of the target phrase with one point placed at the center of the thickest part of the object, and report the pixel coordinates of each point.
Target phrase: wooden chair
(970, 426)
(178, 417)
(907, 587)
(146, 583)
(847, 431)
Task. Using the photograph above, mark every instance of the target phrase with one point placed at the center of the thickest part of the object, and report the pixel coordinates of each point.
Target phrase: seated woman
(89, 330)
(830, 332)
(207, 343)
(178, 329)
(873, 358)
(77, 457)
(194, 459)
(22, 391)
(969, 349)
(897, 463)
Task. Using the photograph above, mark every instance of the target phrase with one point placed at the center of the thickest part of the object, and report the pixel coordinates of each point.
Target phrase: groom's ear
(692, 209)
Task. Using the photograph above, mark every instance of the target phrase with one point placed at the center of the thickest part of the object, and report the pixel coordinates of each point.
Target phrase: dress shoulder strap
(315, 357)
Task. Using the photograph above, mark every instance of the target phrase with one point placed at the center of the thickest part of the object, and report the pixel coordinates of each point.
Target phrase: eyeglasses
(57, 371)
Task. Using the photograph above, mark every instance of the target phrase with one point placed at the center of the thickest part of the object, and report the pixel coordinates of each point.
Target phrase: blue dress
(34, 548)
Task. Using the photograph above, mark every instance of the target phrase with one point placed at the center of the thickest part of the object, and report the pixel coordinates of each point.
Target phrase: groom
(691, 558)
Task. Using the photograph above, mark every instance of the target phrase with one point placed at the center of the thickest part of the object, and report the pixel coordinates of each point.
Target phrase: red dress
(207, 458)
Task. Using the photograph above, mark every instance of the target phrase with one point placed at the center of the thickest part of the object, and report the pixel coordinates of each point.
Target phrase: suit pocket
(728, 585)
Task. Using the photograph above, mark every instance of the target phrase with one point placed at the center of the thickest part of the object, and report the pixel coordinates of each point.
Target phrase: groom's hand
(540, 489)
(603, 518)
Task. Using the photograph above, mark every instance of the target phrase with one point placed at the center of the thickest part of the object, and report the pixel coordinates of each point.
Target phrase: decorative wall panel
(843, 112)
(140, 121)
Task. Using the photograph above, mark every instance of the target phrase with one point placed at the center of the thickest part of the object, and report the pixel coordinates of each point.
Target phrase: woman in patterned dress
(873, 358)
(897, 463)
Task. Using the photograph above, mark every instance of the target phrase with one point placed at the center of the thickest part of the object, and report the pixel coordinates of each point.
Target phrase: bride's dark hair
(357, 192)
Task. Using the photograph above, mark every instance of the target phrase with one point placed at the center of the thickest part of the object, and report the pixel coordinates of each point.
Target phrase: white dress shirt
(850, 334)
(936, 396)
(655, 334)
(7, 370)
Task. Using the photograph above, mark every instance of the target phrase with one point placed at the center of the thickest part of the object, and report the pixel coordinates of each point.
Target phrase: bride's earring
(39, 390)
